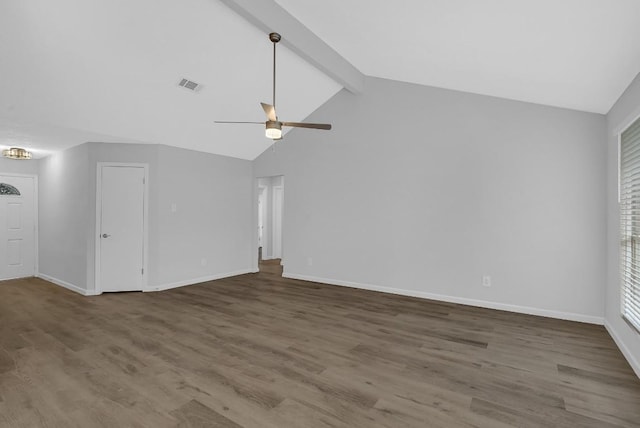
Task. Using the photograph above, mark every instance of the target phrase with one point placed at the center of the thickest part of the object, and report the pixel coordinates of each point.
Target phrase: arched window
(8, 189)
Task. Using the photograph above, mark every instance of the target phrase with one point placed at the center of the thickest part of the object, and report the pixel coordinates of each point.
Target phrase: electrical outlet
(309, 261)
(174, 208)
(203, 262)
(486, 281)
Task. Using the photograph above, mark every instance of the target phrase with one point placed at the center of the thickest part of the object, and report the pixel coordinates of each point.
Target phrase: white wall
(14, 166)
(212, 194)
(64, 217)
(421, 191)
(213, 221)
(623, 113)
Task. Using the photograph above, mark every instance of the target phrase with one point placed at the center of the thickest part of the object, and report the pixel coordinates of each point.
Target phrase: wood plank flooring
(262, 351)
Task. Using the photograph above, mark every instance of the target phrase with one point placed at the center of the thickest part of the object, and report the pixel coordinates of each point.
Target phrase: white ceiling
(578, 54)
(107, 70)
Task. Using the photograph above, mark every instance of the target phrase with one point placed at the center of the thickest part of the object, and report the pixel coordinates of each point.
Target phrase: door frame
(145, 220)
(36, 249)
(268, 224)
(277, 211)
(262, 194)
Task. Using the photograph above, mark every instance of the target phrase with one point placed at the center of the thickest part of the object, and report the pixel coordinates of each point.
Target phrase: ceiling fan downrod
(273, 126)
(275, 38)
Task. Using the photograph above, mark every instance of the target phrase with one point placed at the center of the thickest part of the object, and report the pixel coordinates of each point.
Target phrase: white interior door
(17, 227)
(121, 228)
(278, 194)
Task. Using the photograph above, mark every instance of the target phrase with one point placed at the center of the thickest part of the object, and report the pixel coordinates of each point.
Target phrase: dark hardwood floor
(262, 351)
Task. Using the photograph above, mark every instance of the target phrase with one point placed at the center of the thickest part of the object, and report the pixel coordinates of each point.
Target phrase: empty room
(278, 213)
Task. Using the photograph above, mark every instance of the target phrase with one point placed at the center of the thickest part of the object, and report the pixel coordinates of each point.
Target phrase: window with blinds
(630, 223)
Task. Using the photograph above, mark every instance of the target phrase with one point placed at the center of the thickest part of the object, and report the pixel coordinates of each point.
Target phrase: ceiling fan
(273, 126)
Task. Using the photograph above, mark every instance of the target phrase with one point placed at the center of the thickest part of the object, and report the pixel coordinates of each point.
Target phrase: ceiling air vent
(190, 85)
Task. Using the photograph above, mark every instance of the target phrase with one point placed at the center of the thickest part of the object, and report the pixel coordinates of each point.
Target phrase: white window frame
(630, 313)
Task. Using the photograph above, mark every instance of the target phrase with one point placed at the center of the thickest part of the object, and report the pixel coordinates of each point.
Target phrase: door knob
(105, 235)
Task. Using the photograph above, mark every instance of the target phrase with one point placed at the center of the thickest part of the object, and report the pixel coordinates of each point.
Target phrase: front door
(121, 231)
(17, 227)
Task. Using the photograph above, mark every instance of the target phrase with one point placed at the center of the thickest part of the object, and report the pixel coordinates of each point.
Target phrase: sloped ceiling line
(108, 70)
(269, 16)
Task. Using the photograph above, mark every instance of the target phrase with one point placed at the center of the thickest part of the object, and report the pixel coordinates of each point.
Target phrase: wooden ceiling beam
(269, 16)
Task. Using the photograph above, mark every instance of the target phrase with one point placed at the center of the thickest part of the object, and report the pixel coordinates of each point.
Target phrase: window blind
(630, 223)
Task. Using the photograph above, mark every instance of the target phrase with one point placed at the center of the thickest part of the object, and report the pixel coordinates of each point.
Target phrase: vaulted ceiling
(108, 70)
(578, 54)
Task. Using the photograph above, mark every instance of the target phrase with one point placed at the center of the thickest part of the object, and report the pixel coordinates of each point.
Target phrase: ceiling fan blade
(324, 126)
(224, 121)
(270, 111)
(273, 126)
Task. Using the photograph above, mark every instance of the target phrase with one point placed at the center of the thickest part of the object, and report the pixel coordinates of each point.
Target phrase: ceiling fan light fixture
(16, 153)
(273, 130)
(273, 125)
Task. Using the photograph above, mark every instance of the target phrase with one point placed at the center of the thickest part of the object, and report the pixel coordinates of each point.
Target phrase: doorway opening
(270, 215)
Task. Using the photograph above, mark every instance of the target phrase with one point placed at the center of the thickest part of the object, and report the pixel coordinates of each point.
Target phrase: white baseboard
(186, 282)
(66, 285)
(633, 361)
(453, 299)
(17, 277)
